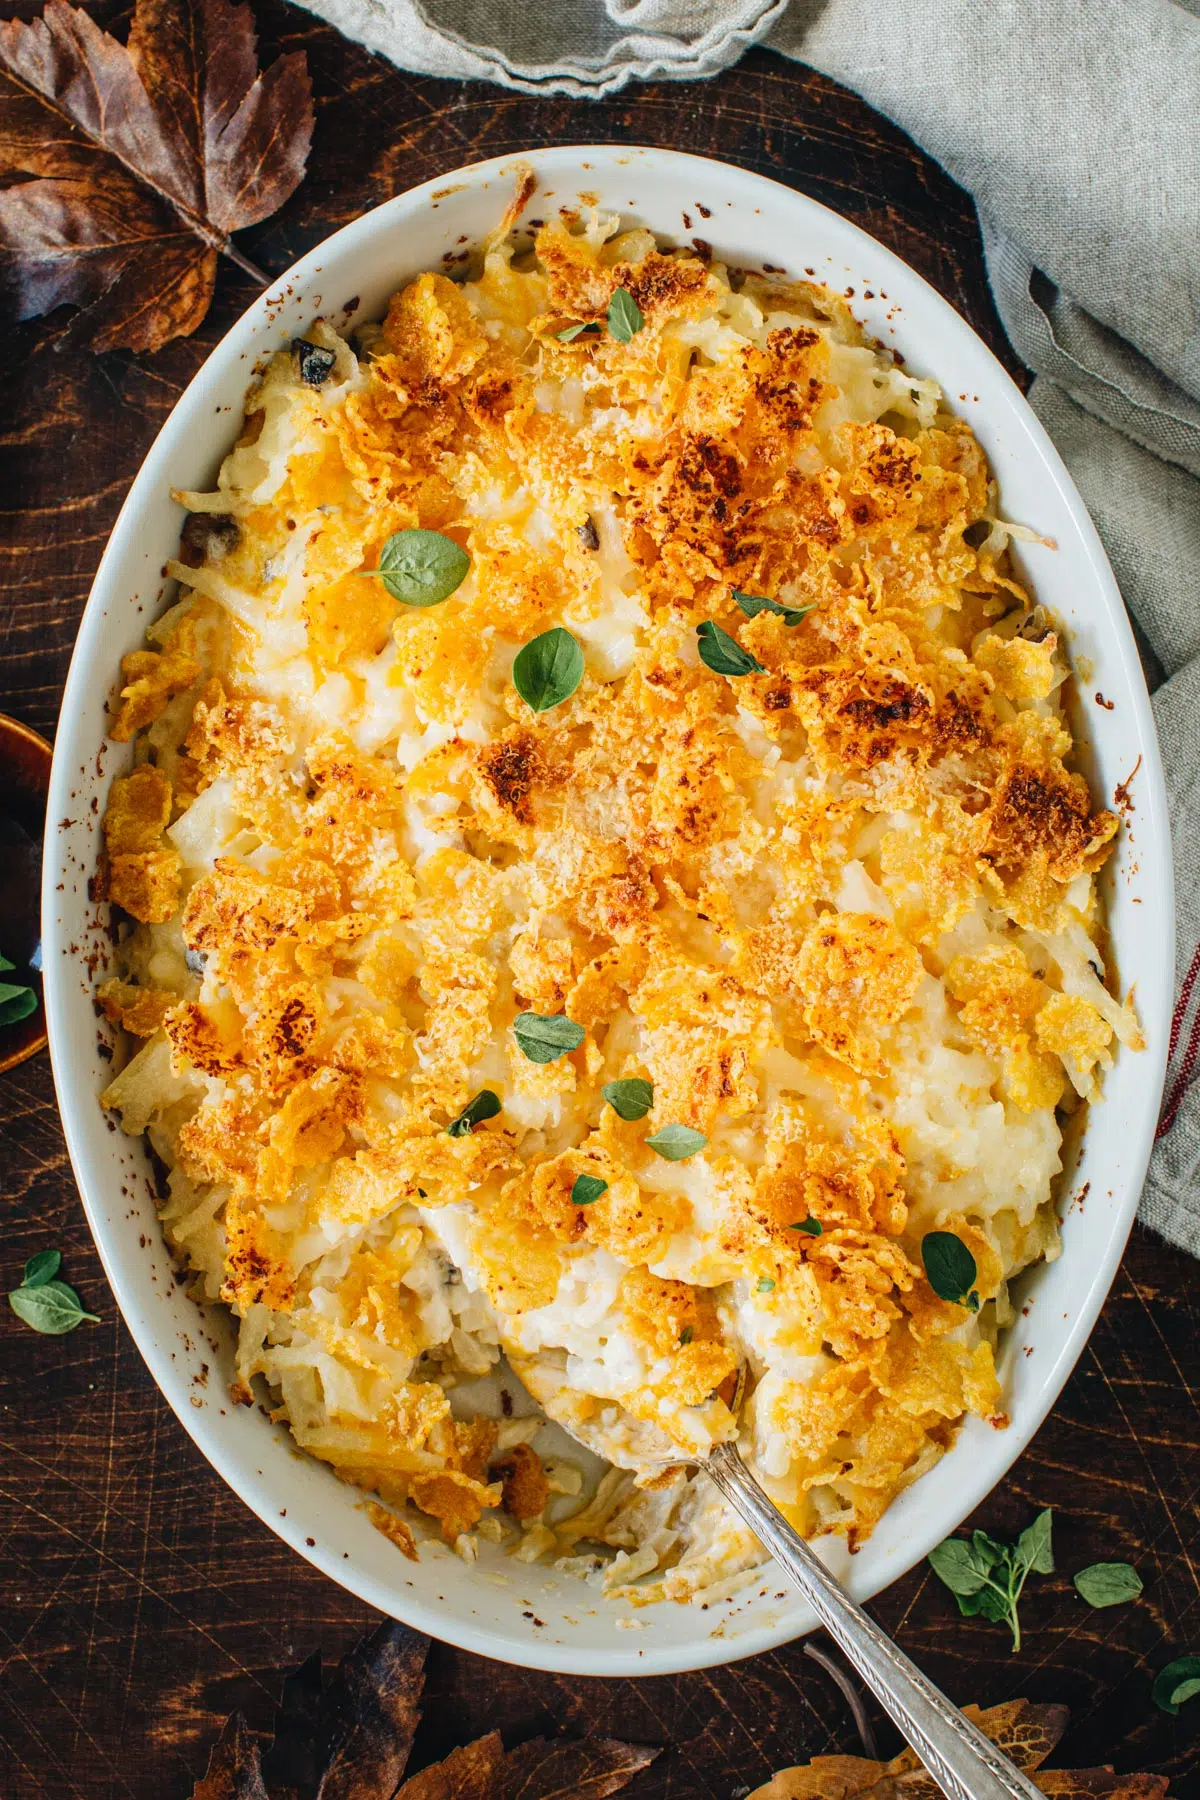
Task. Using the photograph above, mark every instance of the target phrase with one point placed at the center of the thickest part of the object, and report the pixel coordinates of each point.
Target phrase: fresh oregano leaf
(753, 604)
(1177, 1683)
(16, 1003)
(548, 669)
(485, 1105)
(572, 332)
(1034, 1549)
(629, 1099)
(810, 1225)
(986, 1577)
(1108, 1583)
(587, 1190)
(957, 1563)
(42, 1268)
(950, 1268)
(675, 1142)
(763, 1285)
(52, 1308)
(5, 965)
(421, 568)
(624, 316)
(686, 1335)
(723, 654)
(544, 1037)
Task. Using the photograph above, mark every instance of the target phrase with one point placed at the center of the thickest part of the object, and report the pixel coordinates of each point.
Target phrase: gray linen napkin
(1074, 125)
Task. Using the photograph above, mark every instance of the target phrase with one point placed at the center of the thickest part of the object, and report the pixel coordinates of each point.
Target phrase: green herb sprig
(675, 1142)
(753, 604)
(421, 568)
(547, 670)
(986, 1577)
(587, 1190)
(950, 1268)
(16, 1000)
(544, 1037)
(485, 1105)
(723, 654)
(810, 1226)
(1108, 1584)
(44, 1303)
(629, 1099)
(624, 320)
(1177, 1683)
(624, 316)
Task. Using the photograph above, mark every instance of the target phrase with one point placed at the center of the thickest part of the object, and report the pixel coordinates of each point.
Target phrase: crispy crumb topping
(837, 910)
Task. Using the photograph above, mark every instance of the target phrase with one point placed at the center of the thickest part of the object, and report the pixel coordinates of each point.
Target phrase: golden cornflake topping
(606, 880)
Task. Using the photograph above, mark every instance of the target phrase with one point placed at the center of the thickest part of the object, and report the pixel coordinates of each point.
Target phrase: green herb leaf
(753, 604)
(5, 965)
(958, 1564)
(18, 1005)
(1033, 1549)
(723, 654)
(763, 1285)
(629, 1099)
(686, 1335)
(572, 331)
(986, 1577)
(42, 1268)
(588, 1189)
(51, 1308)
(1179, 1681)
(544, 1037)
(675, 1142)
(548, 669)
(421, 568)
(1108, 1583)
(485, 1105)
(810, 1225)
(950, 1268)
(624, 316)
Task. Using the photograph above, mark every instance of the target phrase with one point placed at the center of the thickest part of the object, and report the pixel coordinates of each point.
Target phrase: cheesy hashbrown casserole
(606, 889)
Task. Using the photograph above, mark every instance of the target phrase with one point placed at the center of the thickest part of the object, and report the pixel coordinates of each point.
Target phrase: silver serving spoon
(964, 1763)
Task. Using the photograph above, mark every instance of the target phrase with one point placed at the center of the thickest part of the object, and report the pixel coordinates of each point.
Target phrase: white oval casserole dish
(531, 1615)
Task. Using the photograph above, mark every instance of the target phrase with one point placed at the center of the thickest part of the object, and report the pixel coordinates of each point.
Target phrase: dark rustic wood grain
(139, 1601)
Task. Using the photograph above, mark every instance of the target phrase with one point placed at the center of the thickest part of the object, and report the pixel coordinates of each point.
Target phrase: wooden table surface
(140, 1602)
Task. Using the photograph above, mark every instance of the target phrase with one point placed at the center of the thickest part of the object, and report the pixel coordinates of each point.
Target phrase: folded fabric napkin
(1073, 124)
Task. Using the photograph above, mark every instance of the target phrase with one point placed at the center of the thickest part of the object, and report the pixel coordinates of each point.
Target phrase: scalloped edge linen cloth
(1074, 125)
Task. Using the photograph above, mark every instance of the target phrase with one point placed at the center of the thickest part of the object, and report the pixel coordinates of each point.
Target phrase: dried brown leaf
(469, 1773)
(1025, 1732)
(570, 1768)
(1101, 1784)
(292, 1766)
(376, 1703)
(234, 1771)
(352, 1739)
(135, 162)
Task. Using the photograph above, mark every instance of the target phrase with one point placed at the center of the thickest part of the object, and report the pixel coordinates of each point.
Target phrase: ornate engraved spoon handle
(963, 1762)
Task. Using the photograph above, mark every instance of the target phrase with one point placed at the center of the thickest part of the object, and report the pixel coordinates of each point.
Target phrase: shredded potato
(834, 902)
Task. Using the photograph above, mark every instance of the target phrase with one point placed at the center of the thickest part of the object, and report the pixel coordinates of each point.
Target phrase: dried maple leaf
(375, 1704)
(234, 1768)
(352, 1739)
(1025, 1732)
(583, 1768)
(134, 162)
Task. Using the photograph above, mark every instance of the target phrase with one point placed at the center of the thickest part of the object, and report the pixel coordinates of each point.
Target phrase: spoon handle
(965, 1764)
